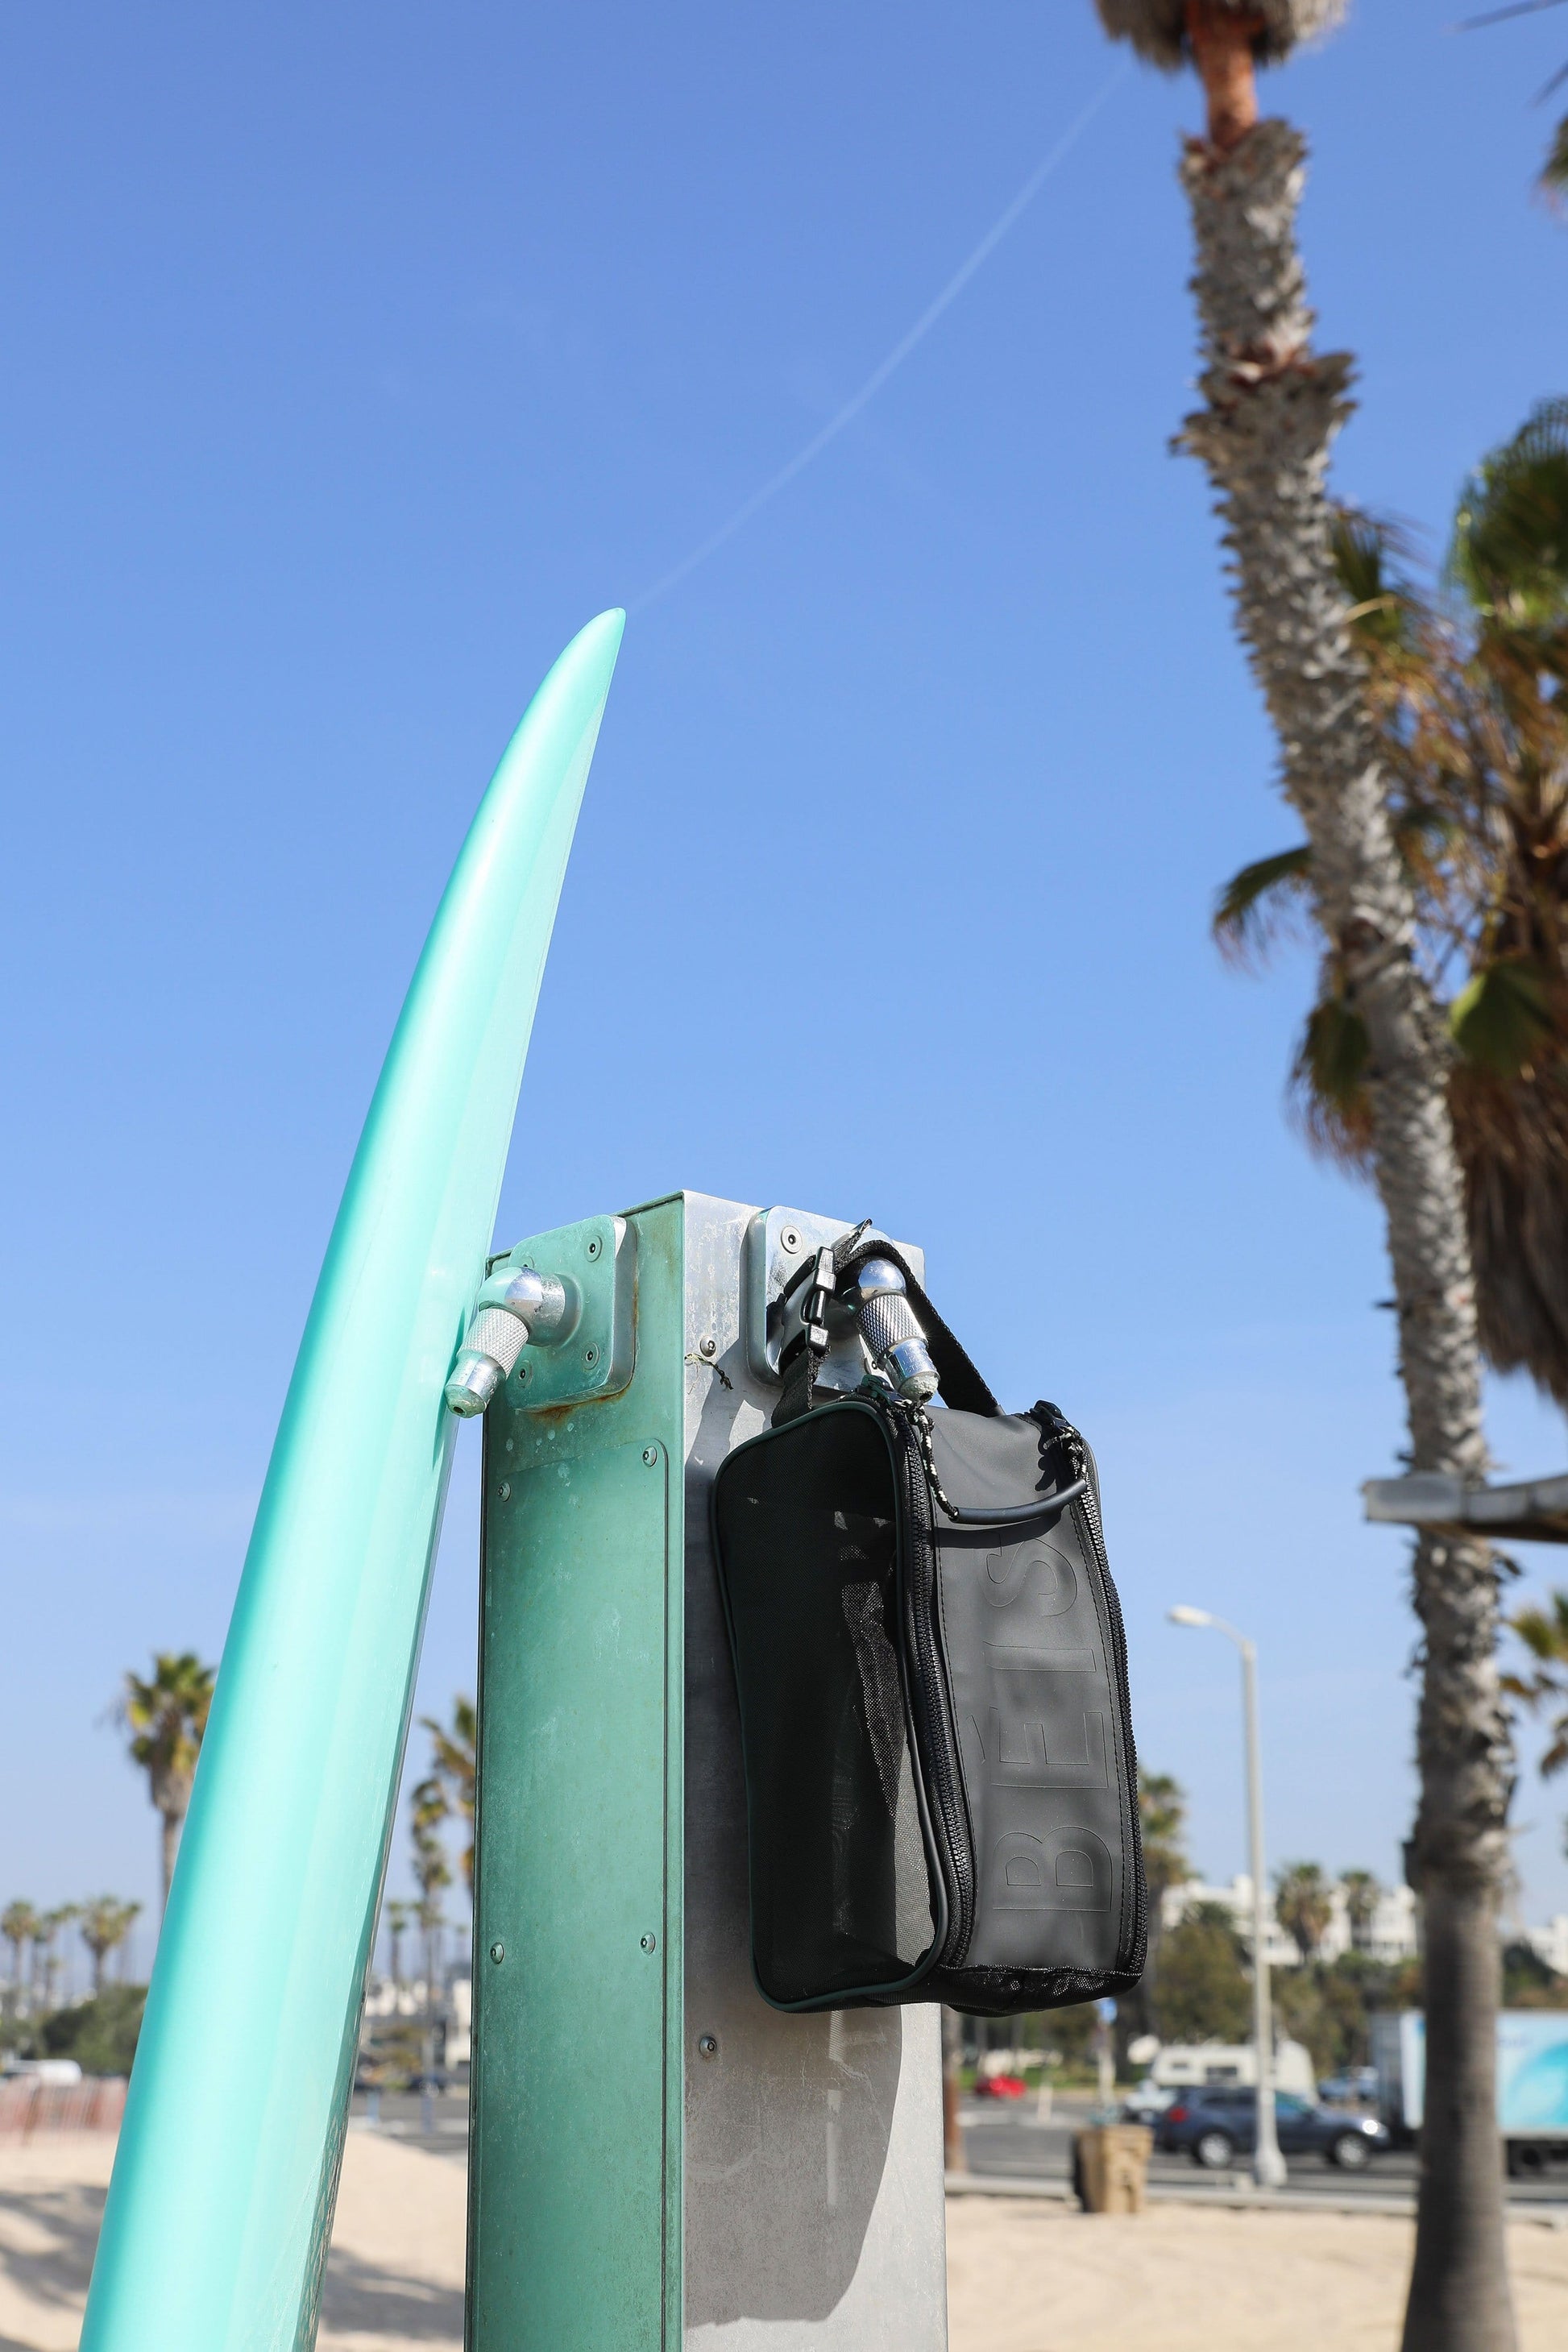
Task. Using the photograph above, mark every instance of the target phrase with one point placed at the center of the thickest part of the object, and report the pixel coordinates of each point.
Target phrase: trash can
(1110, 2168)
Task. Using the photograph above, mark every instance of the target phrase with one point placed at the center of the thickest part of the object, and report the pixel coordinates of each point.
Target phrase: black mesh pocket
(805, 1536)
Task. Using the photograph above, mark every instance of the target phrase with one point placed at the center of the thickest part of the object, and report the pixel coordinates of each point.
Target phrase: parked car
(1147, 2101)
(1356, 2087)
(1216, 2125)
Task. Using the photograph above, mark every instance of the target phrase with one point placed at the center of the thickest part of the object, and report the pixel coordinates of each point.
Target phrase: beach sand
(1023, 2275)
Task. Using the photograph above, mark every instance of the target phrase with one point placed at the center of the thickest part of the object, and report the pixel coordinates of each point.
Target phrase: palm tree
(1362, 1894)
(105, 1923)
(45, 1937)
(428, 1808)
(398, 1916)
(1544, 1632)
(1465, 695)
(455, 1766)
(167, 1716)
(1303, 1905)
(1272, 408)
(19, 1924)
(1163, 1811)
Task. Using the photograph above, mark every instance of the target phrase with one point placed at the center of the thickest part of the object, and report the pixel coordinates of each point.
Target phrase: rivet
(590, 1357)
(498, 1953)
(595, 1245)
(789, 1240)
(708, 2045)
(505, 1491)
(708, 1347)
(650, 1455)
(650, 1943)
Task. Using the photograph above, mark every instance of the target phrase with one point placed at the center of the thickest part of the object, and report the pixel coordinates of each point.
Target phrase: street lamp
(1268, 2164)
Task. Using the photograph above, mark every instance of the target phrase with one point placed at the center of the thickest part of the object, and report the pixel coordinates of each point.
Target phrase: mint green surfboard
(220, 2208)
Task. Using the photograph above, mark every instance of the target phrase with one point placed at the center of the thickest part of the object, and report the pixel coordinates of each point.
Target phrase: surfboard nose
(221, 2202)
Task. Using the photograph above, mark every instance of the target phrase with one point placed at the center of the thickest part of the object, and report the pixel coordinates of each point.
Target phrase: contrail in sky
(896, 357)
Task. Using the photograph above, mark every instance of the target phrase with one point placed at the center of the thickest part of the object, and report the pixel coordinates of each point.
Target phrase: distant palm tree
(105, 1923)
(456, 1765)
(428, 1808)
(398, 1916)
(1162, 1812)
(1362, 1894)
(1271, 405)
(47, 1937)
(19, 1924)
(167, 1716)
(1303, 1905)
(1544, 1632)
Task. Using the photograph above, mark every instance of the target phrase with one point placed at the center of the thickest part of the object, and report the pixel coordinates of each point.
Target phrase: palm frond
(1158, 29)
(1509, 553)
(1328, 1095)
(1254, 904)
(1544, 1631)
(1365, 547)
(1501, 1018)
(1513, 1136)
(1555, 170)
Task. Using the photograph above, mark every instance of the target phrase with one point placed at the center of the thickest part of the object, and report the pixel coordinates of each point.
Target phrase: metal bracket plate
(597, 1358)
(1532, 1511)
(778, 1242)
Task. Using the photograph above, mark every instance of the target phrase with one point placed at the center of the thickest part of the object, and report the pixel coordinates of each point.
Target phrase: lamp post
(1268, 2164)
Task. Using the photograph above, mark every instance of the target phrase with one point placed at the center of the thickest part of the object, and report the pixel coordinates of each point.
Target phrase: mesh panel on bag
(840, 1893)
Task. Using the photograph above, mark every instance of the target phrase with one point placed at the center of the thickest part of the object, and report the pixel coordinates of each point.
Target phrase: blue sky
(356, 358)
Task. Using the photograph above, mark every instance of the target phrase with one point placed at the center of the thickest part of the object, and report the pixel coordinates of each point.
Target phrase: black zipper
(1088, 1507)
(928, 1682)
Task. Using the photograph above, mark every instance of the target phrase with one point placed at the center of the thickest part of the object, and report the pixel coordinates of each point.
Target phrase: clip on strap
(802, 1359)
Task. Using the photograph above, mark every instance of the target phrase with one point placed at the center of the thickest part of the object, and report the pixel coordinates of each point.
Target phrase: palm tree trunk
(1272, 409)
(1221, 40)
(170, 1847)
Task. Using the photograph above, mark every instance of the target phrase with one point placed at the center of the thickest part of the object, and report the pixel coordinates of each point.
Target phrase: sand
(395, 2278)
(1036, 2277)
(1023, 2276)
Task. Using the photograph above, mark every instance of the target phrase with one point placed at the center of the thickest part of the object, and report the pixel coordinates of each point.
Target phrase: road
(401, 2118)
(1011, 2141)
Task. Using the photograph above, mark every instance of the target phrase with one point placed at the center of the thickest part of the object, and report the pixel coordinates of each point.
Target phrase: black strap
(802, 1359)
(799, 1369)
(962, 1387)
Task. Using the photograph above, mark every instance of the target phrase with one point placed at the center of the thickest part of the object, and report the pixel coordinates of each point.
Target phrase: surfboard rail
(220, 2208)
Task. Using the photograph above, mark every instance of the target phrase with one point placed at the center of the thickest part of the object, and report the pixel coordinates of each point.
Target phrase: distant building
(385, 2000)
(1549, 1943)
(1389, 1936)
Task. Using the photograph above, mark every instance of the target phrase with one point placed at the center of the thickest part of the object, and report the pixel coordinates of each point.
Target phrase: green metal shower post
(220, 2208)
(659, 2162)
